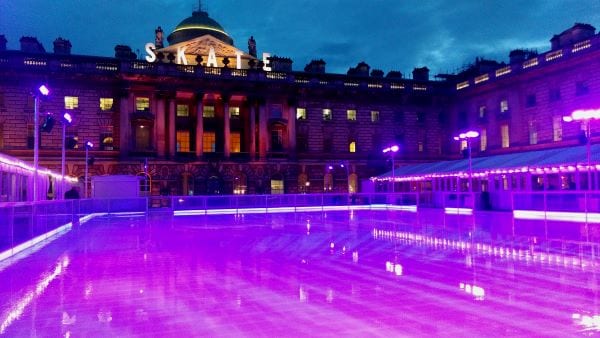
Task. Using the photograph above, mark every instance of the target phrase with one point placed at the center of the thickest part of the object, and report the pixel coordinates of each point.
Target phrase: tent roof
(524, 161)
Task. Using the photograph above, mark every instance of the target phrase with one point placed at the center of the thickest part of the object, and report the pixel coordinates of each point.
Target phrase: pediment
(201, 46)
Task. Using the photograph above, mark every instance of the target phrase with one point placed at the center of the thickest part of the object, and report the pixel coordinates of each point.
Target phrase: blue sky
(389, 35)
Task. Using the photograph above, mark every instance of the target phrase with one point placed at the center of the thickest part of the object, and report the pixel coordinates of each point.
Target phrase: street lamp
(346, 166)
(66, 120)
(393, 150)
(88, 145)
(44, 91)
(585, 116)
(471, 134)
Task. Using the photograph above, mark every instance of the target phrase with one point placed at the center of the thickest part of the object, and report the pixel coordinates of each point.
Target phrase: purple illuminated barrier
(507, 252)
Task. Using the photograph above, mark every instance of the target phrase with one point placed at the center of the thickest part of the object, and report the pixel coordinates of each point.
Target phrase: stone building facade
(201, 116)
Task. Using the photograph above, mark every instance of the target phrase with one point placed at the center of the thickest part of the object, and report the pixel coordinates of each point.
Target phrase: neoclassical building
(202, 116)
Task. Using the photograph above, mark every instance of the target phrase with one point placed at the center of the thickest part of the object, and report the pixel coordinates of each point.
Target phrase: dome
(197, 25)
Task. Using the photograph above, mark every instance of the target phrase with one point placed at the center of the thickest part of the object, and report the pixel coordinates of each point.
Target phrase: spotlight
(67, 118)
(44, 90)
(89, 145)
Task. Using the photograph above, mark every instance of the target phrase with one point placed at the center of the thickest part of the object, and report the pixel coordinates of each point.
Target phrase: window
(420, 146)
(71, 102)
(183, 110)
(483, 140)
(106, 103)
(235, 143)
(183, 141)
(1, 136)
(581, 88)
(300, 113)
(327, 143)
(530, 101)
(276, 187)
(327, 115)
(533, 133)
(30, 132)
(106, 138)
(482, 112)
(72, 141)
(209, 142)
(277, 140)
(1, 100)
(352, 147)
(504, 106)
(142, 103)
(208, 111)
(463, 119)
(143, 134)
(374, 116)
(463, 145)
(554, 94)
(234, 111)
(351, 114)
(504, 132)
(557, 128)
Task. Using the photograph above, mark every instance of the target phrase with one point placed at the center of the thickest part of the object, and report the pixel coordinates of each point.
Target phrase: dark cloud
(387, 34)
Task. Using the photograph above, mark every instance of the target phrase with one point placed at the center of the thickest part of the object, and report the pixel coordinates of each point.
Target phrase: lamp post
(346, 165)
(44, 91)
(471, 134)
(88, 145)
(67, 119)
(393, 150)
(585, 116)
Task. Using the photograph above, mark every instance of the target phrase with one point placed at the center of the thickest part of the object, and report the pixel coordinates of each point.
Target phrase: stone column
(252, 104)
(291, 126)
(199, 124)
(262, 130)
(226, 122)
(125, 109)
(160, 125)
(172, 138)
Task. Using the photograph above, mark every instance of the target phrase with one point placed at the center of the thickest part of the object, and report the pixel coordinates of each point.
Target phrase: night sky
(443, 35)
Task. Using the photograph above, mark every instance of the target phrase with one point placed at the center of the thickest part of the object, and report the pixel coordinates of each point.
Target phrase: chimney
(62, 46)
(30, 44)
(421, 74)
(315, 66)
(124, 53)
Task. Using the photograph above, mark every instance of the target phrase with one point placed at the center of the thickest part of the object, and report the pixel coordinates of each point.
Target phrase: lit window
(300, 113)
(351, 114)
(71, 102)
(374, 116)
(504, 106)
(106, 138)
(421, 147)
(183, 110)
(533, 133)
(482, 112)
(504, 132)
(557, 128)
(463, 145)
(106, 103)
(277, 187)
(483, 140)
(234, 111)
(327, 115)
(209, 142)
(142, 103)
(235, 143)
(208, 111)
(183, 141)
(352, 147)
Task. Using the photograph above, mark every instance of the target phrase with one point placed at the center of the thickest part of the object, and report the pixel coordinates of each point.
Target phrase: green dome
(197, 25)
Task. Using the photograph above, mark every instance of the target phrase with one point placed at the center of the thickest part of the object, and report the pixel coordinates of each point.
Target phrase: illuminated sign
(150, 49)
